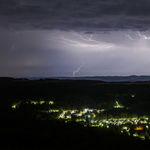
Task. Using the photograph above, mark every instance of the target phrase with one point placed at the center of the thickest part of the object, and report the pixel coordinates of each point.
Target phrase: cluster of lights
(101, 123)
(42, 102)
(51, 102)
(14, 106)
(33, 102)
(62, 115)
(118, 105)
(53, 110)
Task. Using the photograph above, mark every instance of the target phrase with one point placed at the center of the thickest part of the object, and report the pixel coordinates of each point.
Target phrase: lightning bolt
(91, 43)
(85, 38)
(143, 37)
(127, 35)
(140, 36)
(82, 41)
(70, 42)
(78, 69)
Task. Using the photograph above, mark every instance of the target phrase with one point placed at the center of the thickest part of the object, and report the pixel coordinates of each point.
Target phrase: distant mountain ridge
(131, 78)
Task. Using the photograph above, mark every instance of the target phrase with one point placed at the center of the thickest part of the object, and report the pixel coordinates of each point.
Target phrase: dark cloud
(75, 14)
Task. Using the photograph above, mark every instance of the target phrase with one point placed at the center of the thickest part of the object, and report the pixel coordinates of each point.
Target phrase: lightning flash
(139, 38)
(143, 37)
(84, 42)
(78, 69)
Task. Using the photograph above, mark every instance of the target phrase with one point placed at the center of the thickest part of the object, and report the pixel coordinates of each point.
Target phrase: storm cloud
(41, 38)
(87, 15)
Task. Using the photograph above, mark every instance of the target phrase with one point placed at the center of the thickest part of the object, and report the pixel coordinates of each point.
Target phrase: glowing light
(41, 102)
(135, 134)
(138, 128)
(51, 102)
(86, 109)
(77, 70)
(53, 110)
(125, 128)
(14, 106)
(118, 105)
(89, 116)
(33, 102)
(72, 112)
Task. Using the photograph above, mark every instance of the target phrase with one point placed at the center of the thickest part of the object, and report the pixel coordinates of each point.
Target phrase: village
(131, 125)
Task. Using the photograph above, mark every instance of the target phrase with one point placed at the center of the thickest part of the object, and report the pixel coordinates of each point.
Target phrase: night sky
(52, 38)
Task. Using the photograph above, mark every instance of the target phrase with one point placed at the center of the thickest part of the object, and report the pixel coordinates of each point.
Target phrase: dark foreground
(18, 133)
(23, 129)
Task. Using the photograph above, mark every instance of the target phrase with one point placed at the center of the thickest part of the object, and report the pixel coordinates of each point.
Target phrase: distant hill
(132, 78)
